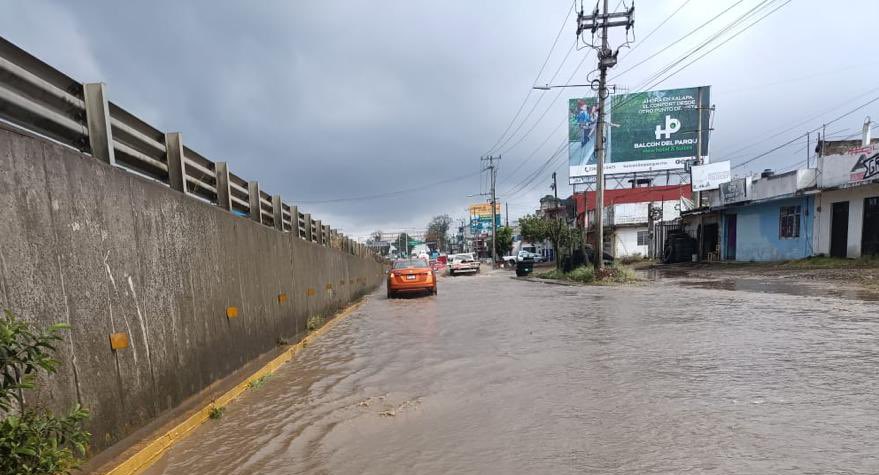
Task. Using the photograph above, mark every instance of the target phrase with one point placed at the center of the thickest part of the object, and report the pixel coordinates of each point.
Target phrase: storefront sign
(735, 190)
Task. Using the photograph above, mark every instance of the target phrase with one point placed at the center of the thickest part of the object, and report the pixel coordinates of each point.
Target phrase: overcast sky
(329, 100)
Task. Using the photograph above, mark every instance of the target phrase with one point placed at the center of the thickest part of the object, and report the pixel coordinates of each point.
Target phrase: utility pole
(507, 214)
(808, 146)
(492, 169)
(699, 162)
(555, 187)
(607, 58)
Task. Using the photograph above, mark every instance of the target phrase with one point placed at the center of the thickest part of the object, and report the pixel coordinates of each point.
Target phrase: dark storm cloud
(317, 101)
(321, 100)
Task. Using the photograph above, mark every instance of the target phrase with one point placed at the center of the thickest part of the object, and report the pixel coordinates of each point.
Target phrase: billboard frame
(656, 118)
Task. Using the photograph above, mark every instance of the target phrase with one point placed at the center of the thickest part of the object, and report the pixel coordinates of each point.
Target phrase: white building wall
(823, 217)
(626, 242)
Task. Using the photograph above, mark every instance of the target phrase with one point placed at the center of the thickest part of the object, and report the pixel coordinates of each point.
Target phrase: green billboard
(646, 131)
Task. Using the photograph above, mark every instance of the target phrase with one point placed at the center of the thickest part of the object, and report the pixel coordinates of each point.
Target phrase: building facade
(627, 215)
(847, 210)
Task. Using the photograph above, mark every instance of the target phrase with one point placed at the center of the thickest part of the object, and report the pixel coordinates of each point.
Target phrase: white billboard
(709, 176)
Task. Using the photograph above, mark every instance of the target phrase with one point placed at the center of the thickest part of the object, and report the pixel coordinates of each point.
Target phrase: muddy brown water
(496, 375)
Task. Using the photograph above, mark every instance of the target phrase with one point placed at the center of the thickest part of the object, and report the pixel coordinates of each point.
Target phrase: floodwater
(497, 375)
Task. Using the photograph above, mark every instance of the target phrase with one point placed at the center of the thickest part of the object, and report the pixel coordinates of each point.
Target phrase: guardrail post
(224, 193)
(278, 212)
(319, 237)
(294, 220)
(176, 163)
(253, 197)
(97, 113)
(307, 218)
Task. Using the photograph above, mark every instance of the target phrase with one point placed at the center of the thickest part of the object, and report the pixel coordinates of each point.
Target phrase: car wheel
(390, 293)
(451, 272)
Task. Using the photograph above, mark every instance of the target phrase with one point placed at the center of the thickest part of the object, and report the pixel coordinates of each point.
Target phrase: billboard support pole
(699, 162)
(492, 169)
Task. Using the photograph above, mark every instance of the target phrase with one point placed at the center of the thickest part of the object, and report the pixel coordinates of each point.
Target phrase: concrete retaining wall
(107, 251)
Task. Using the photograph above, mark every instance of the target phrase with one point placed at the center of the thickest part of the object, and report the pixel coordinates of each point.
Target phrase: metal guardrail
(39, 98)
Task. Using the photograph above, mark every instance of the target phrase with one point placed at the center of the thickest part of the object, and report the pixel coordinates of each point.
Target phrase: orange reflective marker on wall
(329, 286)
(118, 341)
(311, 292)
(282, 298)
(231, 312)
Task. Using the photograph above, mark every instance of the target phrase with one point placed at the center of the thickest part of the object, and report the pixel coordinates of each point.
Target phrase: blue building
(769, 218)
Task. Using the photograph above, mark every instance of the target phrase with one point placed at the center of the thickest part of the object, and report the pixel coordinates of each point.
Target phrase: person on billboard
(586, 121)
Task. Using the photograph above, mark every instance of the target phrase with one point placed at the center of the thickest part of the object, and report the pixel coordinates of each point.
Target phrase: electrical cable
(536, 79)
(687, 35)
(761, 155)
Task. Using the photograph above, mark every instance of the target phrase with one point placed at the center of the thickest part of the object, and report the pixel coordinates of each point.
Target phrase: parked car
(463, 263)
(522, 255)
(411, 275)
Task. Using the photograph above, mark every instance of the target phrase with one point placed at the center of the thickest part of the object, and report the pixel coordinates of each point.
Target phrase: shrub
(32, 440)
(256, 383)
(216, 412)
(314, 322)
(584, 274)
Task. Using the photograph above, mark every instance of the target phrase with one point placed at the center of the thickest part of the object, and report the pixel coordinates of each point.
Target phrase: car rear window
(410, 263)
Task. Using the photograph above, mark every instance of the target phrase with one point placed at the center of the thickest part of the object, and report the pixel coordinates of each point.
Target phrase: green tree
(537, 229)
(504, 240)
(32, 440)
(438, 230)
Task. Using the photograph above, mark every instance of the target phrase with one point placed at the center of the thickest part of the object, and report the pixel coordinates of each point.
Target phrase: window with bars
(642, 238)
(789, 222)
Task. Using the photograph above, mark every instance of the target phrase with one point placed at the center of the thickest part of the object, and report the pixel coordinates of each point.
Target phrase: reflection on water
(495, 375)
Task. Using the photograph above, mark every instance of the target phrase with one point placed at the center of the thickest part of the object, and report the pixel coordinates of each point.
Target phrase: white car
(463, 263)
(522, 255)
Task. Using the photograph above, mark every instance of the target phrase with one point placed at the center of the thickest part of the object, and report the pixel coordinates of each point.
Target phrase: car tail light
(393, 275)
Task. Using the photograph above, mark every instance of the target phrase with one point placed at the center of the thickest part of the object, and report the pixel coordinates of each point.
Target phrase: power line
(548, 108)
(536, 79)
(687, 35)
(647, 85)
(735, 153)
(721, 44)
(531, 111)
(773, 149)
(663, 22)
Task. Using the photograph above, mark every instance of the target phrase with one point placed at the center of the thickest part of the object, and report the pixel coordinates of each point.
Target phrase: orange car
(411, 275)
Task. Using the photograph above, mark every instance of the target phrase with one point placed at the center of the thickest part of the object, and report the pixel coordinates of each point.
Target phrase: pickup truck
(512, 260)
(462, 263)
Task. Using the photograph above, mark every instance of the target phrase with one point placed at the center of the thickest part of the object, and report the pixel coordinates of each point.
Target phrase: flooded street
(496, 375)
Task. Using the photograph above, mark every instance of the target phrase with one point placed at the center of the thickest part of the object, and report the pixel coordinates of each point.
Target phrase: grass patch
(314, 322)
(216, 412)
(825, 262)
(612, 274)
(256, 383)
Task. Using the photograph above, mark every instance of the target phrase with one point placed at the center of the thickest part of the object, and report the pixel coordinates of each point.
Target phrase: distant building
(765, 218)
(831, 209)
(847, 209)
(626, 211)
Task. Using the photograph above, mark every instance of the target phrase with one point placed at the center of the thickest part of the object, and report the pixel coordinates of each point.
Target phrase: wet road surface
(496, 375)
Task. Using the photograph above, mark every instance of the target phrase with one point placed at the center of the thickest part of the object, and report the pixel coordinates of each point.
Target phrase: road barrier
(43, 100)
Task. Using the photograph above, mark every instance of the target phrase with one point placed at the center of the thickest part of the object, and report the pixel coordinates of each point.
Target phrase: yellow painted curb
(146, 456)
